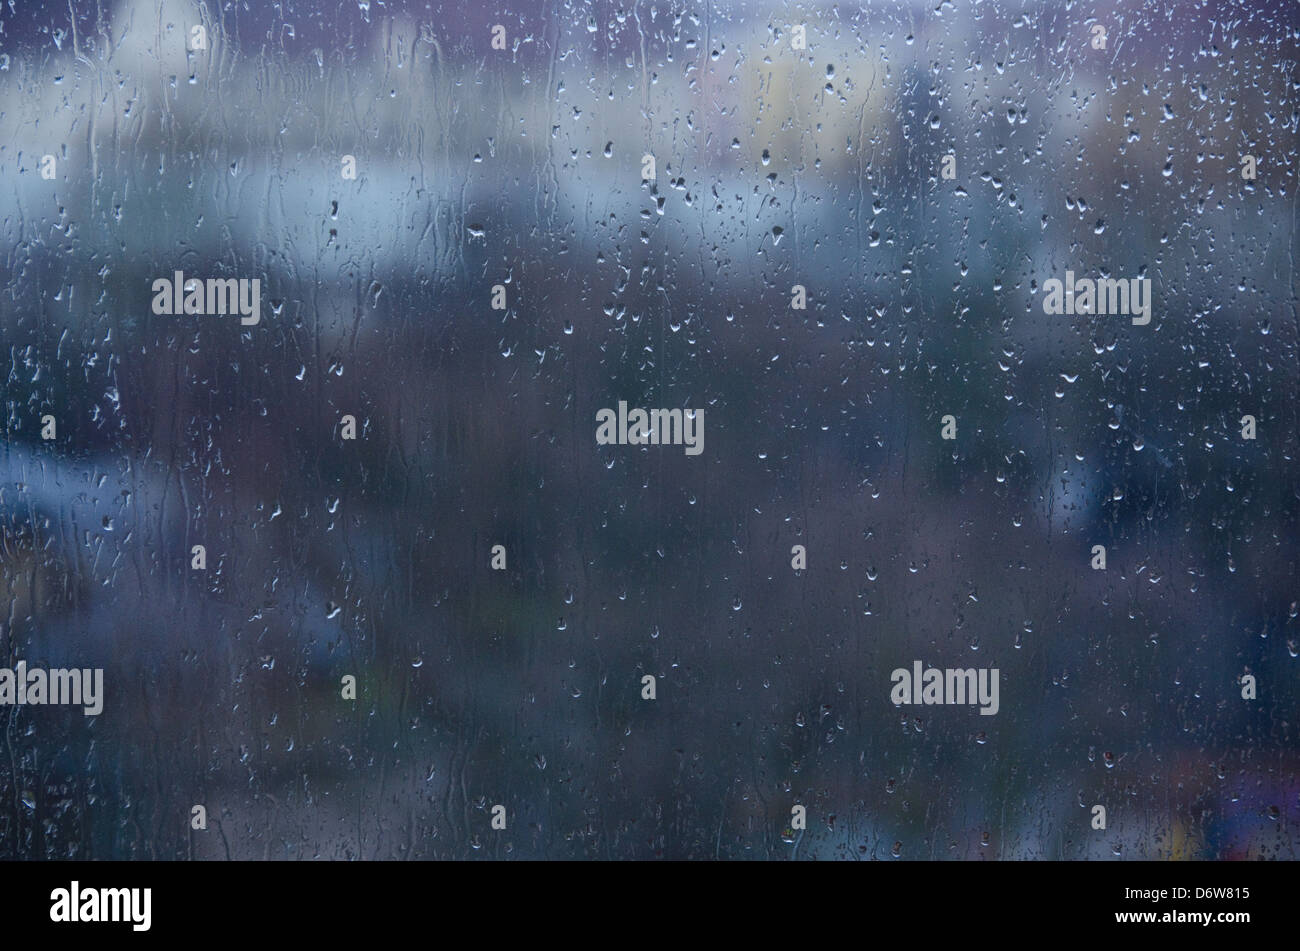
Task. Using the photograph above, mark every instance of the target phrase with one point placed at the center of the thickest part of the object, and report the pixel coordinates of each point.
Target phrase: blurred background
(775, 166)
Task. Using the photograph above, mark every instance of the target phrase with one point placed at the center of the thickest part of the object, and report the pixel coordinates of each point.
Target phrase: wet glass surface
(854, 241)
